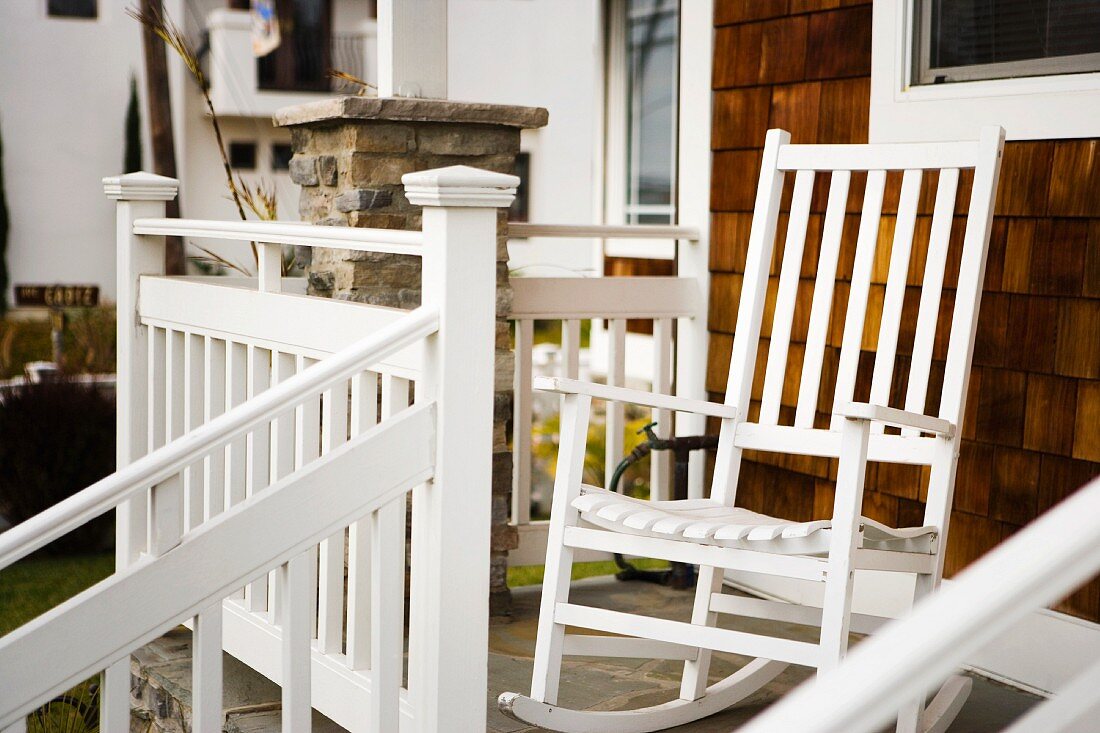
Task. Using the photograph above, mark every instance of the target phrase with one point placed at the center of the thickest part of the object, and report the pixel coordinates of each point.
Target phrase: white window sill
(1029, 108)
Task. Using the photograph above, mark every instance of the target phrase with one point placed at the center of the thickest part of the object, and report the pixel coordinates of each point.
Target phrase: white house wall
(64, 87)
(544, 53)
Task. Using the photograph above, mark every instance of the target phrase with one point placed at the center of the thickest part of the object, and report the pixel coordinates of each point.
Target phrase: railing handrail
(392, 241)
(603, 231)
(162, 463)
(1040, 564)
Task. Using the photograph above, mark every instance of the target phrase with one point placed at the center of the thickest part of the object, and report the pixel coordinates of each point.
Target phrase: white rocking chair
(713, 533)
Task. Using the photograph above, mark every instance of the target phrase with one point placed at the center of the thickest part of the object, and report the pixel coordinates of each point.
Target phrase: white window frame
(616, 141)
(1029, 108)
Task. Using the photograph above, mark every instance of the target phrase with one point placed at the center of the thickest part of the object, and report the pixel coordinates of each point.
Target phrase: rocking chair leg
(836, 611)
(909, 717)
(693, 685)
(559, 558)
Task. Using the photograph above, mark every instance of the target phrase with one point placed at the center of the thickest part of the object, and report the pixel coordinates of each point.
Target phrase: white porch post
(693, 209)
(412, 48)
(448, 630)
(139, 195)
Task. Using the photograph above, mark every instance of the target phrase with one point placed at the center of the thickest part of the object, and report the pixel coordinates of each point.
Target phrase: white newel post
(449, 608)
(139, 195)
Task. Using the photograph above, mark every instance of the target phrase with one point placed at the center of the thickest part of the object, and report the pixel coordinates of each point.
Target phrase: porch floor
(614, 684)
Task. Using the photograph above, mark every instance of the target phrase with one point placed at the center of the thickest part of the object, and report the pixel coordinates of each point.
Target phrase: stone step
(160, 692)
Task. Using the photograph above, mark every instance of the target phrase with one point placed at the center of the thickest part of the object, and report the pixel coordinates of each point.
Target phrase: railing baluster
(270, 266)
(166, 419)
(283, 367)
(215, 405)
(616, 377)
(194, 416)
(387, 595)
(236, 454)
(294, 618)
(571, 348)
(236, 392)
(307, 446)
(158, 338)
(114, 706)
(259, 460)
(661, 461)
(206, 671)
(330, 592)
(521, 424)
(364, 415)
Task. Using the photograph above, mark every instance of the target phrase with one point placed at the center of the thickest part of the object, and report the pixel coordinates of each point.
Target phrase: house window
(242, 155)
(640, 121)
(943, 69)
(651, 55)
(72, 8)
(963, 40)
(303, 58)
(280, 156)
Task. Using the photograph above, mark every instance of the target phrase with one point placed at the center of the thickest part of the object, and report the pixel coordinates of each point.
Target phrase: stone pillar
(349, 156)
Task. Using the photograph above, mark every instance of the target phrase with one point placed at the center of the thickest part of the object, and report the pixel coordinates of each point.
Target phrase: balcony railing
(241, 85)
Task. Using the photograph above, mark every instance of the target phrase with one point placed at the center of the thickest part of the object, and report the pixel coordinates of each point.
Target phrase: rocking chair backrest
(800, 377)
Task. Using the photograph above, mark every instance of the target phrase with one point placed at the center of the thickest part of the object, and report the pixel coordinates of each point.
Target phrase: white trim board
(1040, 654)
(1029, 108)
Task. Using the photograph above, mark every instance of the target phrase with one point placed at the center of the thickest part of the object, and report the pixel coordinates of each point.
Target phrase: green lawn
(31, 587)
(532, 574)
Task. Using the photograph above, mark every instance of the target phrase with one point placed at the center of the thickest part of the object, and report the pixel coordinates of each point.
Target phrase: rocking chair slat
(852, 340)
(890, 321)
(785, 297)
(822, 305)
(931, 289)
(790, 566)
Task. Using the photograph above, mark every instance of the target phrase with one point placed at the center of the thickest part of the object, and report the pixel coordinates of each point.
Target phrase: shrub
(56, 438)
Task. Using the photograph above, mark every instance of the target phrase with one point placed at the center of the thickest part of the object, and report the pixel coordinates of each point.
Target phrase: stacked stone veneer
(349, 156)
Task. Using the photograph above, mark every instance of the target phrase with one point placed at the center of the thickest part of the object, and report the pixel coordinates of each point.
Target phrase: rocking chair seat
(709, 522)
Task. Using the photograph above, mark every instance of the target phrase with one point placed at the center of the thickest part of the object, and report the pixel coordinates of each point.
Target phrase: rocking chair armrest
(898, 418)
(655, 400)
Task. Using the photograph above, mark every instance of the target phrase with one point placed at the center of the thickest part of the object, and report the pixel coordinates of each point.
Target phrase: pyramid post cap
(460, 185)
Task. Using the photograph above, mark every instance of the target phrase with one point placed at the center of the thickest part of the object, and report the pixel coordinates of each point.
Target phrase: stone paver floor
(616, 684)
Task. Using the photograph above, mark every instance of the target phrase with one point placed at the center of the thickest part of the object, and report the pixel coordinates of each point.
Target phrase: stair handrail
(159, 465)
(1035, 567)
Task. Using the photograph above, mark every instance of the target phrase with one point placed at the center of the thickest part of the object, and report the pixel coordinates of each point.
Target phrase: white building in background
(65, 67)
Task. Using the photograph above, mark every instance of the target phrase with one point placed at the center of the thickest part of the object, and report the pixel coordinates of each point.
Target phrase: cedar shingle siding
(1032, 432)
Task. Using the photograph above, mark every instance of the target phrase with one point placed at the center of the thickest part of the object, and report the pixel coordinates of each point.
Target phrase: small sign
(57, 296)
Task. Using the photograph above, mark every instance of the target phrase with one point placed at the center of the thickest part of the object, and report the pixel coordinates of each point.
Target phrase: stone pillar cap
(140, 186)
(409, 109)
(460, 185)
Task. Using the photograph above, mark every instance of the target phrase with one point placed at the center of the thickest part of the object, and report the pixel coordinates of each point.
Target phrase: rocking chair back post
(746, 340)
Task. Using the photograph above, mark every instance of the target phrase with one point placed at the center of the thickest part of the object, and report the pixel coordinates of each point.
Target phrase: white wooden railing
(1042, 563)
(251, 448)
(608, 302)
